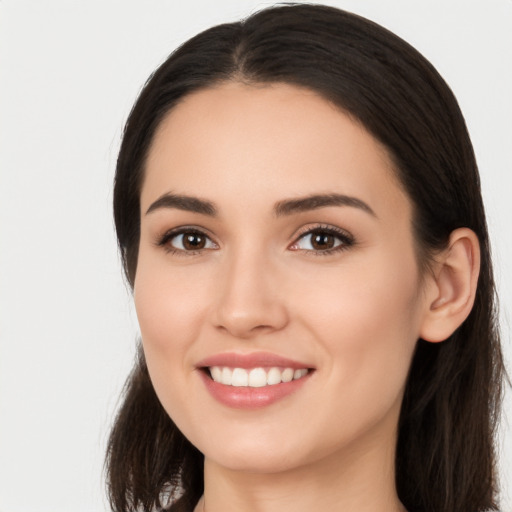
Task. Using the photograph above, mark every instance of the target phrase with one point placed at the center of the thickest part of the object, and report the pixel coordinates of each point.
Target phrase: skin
(259, 285)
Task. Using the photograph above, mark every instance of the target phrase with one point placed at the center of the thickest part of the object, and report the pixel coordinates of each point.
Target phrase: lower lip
(251, 398)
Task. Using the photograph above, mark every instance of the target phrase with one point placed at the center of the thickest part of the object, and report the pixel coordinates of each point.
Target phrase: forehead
(266, 141)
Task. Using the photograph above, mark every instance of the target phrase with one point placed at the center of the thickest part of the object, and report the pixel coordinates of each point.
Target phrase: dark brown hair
(445, 459)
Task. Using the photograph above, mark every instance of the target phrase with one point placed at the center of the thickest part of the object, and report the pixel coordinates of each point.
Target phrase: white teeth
(216, 372)
(240, 377)
(273, 376)
(255, 378)
(287, 375)
(226, 376)
(299, 373)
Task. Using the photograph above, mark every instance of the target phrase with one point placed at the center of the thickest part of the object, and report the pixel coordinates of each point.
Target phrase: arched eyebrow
(281, 208)
(313, 202)
(182, 202)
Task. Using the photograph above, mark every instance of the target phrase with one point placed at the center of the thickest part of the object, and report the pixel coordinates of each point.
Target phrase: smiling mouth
(255, 377)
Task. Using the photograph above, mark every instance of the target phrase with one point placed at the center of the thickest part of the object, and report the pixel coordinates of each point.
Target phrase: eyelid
(164, 239)
(346, 238)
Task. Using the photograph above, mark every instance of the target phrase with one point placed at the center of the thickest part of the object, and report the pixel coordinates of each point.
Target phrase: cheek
(367, 320)
(168, 303)
(364, 293)
(367, 331)
(168, 310)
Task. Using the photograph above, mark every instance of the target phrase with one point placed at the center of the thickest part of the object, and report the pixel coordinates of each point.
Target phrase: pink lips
(245, 397)
(254, 360)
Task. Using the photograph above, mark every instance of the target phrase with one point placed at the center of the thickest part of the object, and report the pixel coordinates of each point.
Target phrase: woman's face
(276, 244)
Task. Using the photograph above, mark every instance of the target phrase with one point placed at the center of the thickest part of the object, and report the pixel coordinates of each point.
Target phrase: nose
(250, 300)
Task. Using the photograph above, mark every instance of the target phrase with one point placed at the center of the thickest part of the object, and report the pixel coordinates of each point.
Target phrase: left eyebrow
(313, 202)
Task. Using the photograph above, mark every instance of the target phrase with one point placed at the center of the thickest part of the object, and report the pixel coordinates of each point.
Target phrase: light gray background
(70, 71)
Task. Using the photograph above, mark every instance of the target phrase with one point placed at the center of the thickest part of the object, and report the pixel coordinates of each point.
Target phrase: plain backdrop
(69, 73)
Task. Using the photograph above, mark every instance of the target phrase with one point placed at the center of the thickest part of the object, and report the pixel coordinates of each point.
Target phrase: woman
(298, 209)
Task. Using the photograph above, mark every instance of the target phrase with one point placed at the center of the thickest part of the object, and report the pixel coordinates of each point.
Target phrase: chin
(252, 453)
(257, 461)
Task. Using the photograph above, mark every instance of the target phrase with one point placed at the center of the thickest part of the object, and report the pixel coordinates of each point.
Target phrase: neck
(355, 480)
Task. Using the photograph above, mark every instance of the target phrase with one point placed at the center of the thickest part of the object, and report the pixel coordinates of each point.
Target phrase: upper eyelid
(322, 227)
(179, 230)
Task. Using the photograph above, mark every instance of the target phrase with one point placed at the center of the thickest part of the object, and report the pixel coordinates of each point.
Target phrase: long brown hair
(445, 460)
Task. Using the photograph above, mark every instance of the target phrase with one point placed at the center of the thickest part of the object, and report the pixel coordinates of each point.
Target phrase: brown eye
(193, 241)
(322, 241)
(187, 241)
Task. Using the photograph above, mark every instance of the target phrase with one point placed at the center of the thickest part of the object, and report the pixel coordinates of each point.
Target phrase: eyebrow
(313, 202)
(281, 208)
(187, 203)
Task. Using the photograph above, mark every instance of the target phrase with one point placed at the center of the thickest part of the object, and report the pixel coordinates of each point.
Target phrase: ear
(451, 289)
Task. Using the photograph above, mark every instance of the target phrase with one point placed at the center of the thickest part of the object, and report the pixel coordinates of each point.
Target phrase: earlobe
(452, 289)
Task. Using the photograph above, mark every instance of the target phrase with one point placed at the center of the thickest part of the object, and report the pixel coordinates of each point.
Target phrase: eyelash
(164, 240)
(346, 239)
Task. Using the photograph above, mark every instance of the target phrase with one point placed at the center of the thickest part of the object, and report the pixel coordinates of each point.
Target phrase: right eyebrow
(182, 202)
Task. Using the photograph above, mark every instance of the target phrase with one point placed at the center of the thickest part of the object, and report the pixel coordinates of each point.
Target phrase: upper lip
(252, 360)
